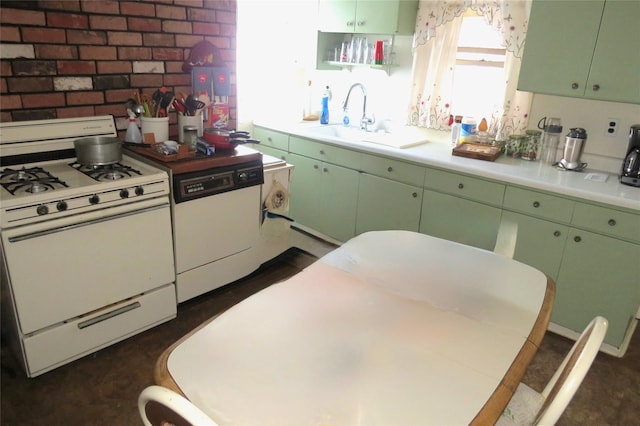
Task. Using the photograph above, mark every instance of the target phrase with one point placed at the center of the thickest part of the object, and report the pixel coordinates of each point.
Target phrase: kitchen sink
(400, 137)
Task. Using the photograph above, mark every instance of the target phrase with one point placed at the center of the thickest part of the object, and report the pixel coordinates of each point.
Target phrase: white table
(394, 327)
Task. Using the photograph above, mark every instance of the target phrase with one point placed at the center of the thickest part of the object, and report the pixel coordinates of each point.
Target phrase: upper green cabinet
(583, 48)
(367, 16)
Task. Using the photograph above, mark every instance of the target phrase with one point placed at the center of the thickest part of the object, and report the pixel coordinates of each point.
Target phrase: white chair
(506, 239)
(528, 407)
(161, 406)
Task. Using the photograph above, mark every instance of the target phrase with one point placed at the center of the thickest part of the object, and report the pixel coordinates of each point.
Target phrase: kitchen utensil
(573, 146)
(631, 166)
(550, 139)
(227, 139)
(135, 107)
(192, 105)
(98, 150)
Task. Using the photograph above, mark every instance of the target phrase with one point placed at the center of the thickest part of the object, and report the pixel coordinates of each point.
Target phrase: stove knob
(61, 206)
(94, 199)
(42, 210)
(139, 190)
(124, 193)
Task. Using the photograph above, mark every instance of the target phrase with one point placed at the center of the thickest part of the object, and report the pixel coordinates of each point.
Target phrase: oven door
(68, 267)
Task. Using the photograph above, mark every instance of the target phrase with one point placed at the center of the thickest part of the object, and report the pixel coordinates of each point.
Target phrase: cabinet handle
(596, 87)
(577, 238)
(414, 195)
(349, 23)
(612, 222)
(556, 233)
(536, 204)
(360, 23)
(321, 152)
(460, 186)
(389, 169)
(315, 166)
(325, 170)
(269, 139)
(574, 86)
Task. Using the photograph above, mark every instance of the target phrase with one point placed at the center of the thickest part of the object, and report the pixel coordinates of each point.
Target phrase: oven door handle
(37, 234)
(109, 315)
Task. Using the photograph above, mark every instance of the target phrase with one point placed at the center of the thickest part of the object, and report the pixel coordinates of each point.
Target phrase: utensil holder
(158, 126)
(189, 120)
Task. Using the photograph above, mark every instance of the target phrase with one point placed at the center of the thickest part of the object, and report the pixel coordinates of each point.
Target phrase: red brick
(70, 5)
(220, 4)
(117, 110)
(118, 95)
(10, 102)
(134, 53)
(220, 42)
(76, 67)
(136, 8)
(177, 79)
(189, 3)
(98, 52)
(3, 85)
(34, 68)
(204, 15)
(72, 112)
(5, 68)
(183, 27)
(228, 30)
(226, 17)
(144, 24)
(56, 51)
(67, 20)
(187, 40)
(171, 12)
(9, 34)
(163, 40)
(146, 80)
(161, 54)
(5, 117)
(43, 35)
(114, 67)
(29, 84)
(118, 38)
(110, 7)
(86, 37)
(85, 98)
(206, 28)
(98, 22)
(174, 67)
(43, 100)
(20, 17)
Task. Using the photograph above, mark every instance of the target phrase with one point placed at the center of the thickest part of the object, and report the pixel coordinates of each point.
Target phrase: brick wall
(76, 58)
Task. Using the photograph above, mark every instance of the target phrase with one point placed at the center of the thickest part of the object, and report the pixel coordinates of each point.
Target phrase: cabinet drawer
(398, 171)
(607, 221)
(278, 153)
(271, 138)
(538, 204)
(465, 186)
(325, 152)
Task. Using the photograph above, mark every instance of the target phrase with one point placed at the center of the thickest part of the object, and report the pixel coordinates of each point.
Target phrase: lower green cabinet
(387, 204)
(598, 276)
(540, 243)
(458, 219)
(324, 197)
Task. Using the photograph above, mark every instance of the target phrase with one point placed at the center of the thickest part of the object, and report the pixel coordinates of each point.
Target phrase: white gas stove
(87, 250)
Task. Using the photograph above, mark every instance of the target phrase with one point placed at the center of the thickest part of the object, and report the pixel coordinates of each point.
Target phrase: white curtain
(435, 42)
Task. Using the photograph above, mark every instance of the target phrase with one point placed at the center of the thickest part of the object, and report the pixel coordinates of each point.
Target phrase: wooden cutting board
(477, 151)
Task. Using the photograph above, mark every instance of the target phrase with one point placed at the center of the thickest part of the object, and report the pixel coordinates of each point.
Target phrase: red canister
(378, 57)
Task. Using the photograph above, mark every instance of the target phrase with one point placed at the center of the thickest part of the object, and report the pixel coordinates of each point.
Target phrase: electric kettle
(573, 146)
(631, 166)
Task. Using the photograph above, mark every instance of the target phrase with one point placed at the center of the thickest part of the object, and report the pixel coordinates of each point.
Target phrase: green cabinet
(323, 195)
(367, 16)
(461, 208)
(272, 142)
(583, 48)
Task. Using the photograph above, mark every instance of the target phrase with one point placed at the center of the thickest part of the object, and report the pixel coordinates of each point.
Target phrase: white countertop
(535, 175)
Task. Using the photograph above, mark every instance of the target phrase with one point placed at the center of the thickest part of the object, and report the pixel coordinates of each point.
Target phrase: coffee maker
(630, 174)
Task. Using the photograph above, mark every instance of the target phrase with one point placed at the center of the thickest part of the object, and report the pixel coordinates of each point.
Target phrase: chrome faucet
(364, 121)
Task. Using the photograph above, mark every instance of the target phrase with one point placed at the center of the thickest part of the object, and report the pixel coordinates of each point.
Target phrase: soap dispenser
(326, 97)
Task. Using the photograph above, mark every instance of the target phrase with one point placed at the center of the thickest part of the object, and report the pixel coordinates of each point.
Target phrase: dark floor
(102, 388)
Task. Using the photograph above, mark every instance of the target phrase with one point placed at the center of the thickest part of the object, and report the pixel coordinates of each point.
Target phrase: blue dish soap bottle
(324, 116)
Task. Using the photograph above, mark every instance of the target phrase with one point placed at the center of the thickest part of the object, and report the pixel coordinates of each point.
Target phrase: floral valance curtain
(435, 43)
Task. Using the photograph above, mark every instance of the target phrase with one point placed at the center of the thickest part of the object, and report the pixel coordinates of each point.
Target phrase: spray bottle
(133, 132)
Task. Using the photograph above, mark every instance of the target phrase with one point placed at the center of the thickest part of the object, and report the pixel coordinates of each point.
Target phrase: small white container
(159, 126)
(468, 130)
(189, 120)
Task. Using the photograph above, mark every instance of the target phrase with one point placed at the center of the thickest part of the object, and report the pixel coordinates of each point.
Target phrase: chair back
(506, 238)
(161, 406)
(568, 377)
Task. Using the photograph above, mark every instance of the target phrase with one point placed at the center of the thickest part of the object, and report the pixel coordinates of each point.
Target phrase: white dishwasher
(275, 229)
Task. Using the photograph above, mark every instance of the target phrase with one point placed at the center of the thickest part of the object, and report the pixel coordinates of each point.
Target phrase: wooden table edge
(498, 401)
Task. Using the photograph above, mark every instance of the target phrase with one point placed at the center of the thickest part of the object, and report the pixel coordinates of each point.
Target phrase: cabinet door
(457, 219)
(337, 16)
(559, 46)
(377, 16)
(385, 204)
(338, 200)
(304, 202)
(540, 243)
(598, 276)
(614, 73)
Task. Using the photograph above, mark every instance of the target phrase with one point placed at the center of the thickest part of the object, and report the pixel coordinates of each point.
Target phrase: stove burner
(32, 180)
(106, 172)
